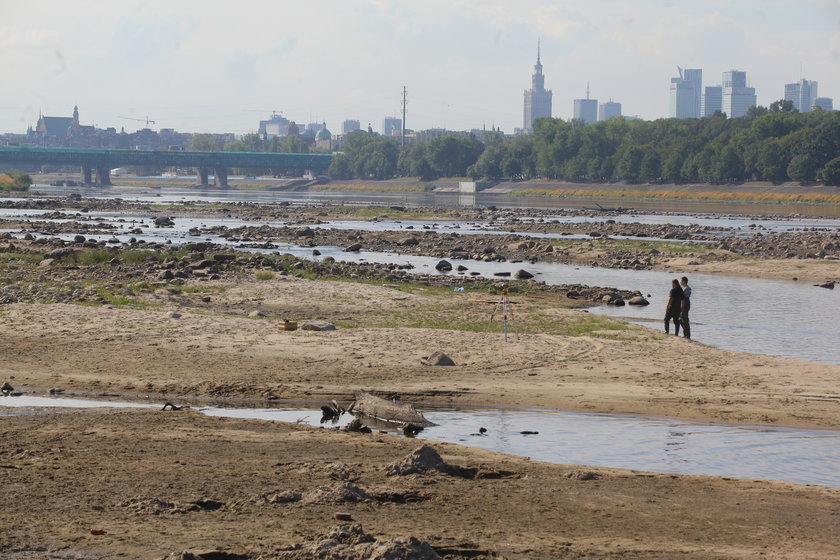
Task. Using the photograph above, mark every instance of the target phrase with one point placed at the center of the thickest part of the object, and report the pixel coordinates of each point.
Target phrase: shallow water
(610, 440)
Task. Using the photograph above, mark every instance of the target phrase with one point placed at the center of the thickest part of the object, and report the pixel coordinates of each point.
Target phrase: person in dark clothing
(686, 307)
(674, 308)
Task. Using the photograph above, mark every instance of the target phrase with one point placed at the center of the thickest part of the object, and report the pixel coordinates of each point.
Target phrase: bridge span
(96, 164)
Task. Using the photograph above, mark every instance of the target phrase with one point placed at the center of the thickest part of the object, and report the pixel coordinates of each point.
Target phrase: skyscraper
(685, 94)
(391, 126)
(537, 99)
(608, 110)
(712, 101)
(803, 94)
(350, 125)
(737, 97)
(825, 103)
(586, 110)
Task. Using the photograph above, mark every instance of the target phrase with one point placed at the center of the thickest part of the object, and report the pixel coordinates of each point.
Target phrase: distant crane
(146, 120)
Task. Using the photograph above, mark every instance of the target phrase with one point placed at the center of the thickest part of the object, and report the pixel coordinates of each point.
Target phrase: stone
(46, 263)
(522, 274)
(317, 326)
(60, 252)
(438, 358)
(305, 232)
(79, 239)
(174, 315)
(354, 248)
(257, 313)
(443, 266)
(638, 300)
(422, 460)
(409, 241)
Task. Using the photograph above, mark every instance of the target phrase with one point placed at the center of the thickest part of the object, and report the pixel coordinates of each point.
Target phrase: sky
(212, 66)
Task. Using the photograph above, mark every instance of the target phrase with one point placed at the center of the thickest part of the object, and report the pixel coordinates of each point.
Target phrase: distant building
(323, 138)
(737, 97)
(803, 94)
(276, 125)
(537, 99)
(712, 100)
(585, 110)
(313, 128)
(608, 110)
(349, 126)
(824, 103)
(391, 126)
(685, 94)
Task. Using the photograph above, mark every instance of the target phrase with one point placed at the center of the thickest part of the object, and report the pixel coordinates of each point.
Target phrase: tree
(203, 143)
(288, 145)
(629, 165)
(803, 168)
(15, 180)
(783, 106)
(830, 174)
(450, 156)
(651, 166)
(728, 166)
(340, 167)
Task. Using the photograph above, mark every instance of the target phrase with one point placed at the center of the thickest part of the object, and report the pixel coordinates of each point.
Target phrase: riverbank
(152, 485)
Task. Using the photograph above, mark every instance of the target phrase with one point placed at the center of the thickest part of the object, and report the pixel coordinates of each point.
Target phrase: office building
(737, 96)
(685, 94)
(391, 126)
(537, 99)
(803, 94)
(585, 110)
(608, 110)
(825, 103)
(712, 101)
(350, 125)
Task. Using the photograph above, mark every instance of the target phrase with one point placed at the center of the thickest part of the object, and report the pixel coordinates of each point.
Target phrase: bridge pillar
(87, 175)
(103, 176)
(201, 175)
(220, 176)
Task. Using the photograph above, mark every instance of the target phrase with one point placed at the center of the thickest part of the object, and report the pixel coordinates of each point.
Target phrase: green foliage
(830, 174)
(367, 156)
(264, 275)
(15, 180)
(203, 143)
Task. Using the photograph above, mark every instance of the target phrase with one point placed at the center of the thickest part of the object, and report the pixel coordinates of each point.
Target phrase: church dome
(323, 134)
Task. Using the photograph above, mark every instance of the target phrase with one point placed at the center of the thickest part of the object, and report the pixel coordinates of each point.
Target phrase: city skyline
(200, 69)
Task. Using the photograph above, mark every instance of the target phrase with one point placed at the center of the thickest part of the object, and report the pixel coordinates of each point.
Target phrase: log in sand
(388, 410)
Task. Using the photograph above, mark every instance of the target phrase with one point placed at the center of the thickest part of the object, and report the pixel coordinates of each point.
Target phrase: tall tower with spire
(537, 99)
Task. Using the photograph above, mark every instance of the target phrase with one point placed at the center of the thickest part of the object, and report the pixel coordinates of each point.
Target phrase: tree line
(775, 144)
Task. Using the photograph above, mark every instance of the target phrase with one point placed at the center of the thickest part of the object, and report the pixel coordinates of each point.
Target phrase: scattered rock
(424, 459)
(354, 248)
(438, 358)
(340, 493)
(583, 475)
(174, 315)
(286, 497)
(522, 274)
(317, 326)
(443, 266)
(257, 313)
(638, 300)
(346, 542)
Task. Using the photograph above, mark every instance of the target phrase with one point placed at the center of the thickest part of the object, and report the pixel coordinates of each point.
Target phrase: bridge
(102, 161)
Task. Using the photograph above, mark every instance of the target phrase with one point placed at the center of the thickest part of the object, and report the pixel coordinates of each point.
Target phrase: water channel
(664, 445)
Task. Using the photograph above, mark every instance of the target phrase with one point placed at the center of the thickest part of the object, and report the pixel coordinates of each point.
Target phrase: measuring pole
(504, 303)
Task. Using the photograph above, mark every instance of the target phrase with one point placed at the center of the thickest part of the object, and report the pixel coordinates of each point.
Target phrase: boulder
(409, 241)
(443, 266)
(438, 358)
(354, 248)
(638, 300)
(522, 274)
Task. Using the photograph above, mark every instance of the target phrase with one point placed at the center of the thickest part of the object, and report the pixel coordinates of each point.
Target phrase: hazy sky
(211, 66)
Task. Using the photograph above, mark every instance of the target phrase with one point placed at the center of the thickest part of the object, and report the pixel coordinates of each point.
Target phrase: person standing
(674, 308)
(686, 306)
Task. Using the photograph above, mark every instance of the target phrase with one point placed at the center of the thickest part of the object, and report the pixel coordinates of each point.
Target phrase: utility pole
(402, 141)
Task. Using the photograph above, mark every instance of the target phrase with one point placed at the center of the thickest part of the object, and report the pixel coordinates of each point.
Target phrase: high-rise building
(391, 126)
(608, 110)
(825, 103)
(685, 94)
(586, 110)
(712, 100)
(737, 97)
(350, 125)
(537, 99)
(803, 94)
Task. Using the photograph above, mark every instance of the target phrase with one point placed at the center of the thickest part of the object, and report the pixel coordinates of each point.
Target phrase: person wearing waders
(674, 308)
(686, 307)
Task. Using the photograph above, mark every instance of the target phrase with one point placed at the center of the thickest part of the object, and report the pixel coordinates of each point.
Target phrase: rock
(339, 493)
(286, 497)
(166, 275)
(829, 285)
(350, 541)
(409, 241)
(438, 358)
(223, 257)
(638, 300)
(354, 248)
(6, 389)
(79, 239)
(305, 232)
(317, 326)
(583, 475)
(522, 274)
(60, 252)
(257, 313)
(46, 263)
(174, 315)
(461, 268)
(618, 302)
(164, 221)
(422, 460)
(316, 252)
(443, 266)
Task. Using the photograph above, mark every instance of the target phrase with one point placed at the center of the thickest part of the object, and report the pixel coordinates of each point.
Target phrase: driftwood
(388, 410)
